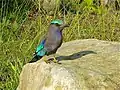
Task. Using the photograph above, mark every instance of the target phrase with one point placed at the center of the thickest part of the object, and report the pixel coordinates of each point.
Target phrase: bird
(51, 42)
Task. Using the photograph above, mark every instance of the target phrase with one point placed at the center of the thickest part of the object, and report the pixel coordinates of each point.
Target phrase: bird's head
(59, 23)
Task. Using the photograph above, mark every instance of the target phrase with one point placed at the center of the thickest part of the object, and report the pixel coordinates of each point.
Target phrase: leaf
(89, 2)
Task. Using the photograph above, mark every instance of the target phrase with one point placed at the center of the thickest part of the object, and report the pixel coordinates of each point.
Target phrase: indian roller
(51, 42)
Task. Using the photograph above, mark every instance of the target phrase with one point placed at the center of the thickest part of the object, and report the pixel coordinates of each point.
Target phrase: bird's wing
(40, 50)
(40, 46)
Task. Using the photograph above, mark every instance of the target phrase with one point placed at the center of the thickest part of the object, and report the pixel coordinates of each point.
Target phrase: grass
(21, 31)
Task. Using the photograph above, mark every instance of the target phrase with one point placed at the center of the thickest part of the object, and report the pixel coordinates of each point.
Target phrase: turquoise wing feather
(40, 47)
(40, 50)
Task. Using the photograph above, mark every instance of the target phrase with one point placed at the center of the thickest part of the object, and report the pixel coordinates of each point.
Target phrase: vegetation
(24, 23)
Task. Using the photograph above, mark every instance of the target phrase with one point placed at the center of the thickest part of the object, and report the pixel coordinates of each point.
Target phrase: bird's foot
(47, 61)
(55, 60)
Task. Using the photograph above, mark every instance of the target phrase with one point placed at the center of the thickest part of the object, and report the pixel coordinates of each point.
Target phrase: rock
(52, 7)
(49, 6)
(88, 64)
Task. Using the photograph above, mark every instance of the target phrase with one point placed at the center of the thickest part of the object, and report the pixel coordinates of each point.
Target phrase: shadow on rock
(75, 55)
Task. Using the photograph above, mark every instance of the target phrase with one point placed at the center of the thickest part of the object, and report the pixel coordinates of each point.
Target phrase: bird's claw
(47, 61)
(55, 60)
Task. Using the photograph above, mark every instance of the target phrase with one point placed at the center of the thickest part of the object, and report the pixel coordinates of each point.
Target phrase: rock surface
(88, 64)
(50, 6)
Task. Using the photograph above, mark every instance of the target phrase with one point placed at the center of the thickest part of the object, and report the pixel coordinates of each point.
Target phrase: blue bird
(51, 42)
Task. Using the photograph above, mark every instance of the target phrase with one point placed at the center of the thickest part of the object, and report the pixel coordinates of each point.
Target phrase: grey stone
(88, 64)
(49, 6)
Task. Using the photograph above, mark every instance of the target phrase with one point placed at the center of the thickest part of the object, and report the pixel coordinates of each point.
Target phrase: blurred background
(25, 22)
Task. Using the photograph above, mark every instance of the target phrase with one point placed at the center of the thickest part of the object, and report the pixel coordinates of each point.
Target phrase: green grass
(20, 34)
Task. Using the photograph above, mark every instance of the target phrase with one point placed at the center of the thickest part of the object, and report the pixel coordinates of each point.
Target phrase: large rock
(52, 7)
(85, 65)
(49, 6)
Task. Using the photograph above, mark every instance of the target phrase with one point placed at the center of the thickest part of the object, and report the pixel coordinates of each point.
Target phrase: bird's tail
(35, 58)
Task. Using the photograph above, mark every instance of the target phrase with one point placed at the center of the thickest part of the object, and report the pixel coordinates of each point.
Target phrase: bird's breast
(53, 41)
(58, 34)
